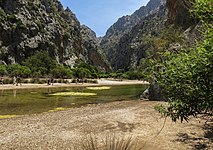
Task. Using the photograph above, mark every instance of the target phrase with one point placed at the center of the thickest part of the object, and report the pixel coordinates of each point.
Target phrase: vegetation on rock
(27, 27)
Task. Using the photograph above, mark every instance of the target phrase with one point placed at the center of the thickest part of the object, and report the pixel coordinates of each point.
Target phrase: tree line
(42, 65)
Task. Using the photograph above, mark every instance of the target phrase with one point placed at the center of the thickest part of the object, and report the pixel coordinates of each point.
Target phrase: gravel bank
(64, 129)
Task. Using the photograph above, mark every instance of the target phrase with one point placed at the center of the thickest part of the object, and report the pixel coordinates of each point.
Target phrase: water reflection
(2, 92)
(32, 101)
(14, 93)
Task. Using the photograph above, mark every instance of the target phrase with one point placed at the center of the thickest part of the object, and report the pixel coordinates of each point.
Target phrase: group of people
(16, 81)
(50, 81)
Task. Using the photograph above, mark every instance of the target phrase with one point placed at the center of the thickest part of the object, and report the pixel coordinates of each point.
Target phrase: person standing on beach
(52, 81)
(1, 81)
(14, 80)
(18, 81)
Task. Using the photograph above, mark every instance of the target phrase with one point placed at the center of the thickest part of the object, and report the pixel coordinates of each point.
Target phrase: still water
(34, 101)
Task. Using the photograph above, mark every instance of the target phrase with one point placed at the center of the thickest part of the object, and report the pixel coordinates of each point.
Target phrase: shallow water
(34, 101)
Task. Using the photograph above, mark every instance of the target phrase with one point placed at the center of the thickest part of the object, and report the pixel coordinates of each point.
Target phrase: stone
(156, 93)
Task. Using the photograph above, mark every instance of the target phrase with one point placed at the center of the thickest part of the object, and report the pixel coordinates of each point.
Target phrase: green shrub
(18, 70)
(3, 70)
(2, 13)
(188, 80)
(40, 63)
(84, 70)
(12, 18)
(20, 25)
(202, 9)
(61, 72)
(81, 73)
(133, 75)
(187, 77)
(103, 75)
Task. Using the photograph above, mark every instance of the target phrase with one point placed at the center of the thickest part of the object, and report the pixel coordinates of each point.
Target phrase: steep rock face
(92, 48)
(135, 37)
(132, 47)
(178, 13)
(125, 23)
(40, 25)
(30, 26)
(120, 42)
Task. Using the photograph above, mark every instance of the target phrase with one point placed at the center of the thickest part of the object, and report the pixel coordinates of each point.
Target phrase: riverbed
(135, 118)
(41, 100)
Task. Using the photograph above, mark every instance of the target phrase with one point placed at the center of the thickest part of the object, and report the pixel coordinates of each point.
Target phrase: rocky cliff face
(134, 46)
(120, 44)
(41, 25)
(159, 26)
(125, 23)
(178, 13)
(93, 50)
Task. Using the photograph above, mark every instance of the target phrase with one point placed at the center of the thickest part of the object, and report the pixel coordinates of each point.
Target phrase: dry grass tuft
(111, 142)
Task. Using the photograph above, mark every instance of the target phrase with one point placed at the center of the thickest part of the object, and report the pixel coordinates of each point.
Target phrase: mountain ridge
(113, 38)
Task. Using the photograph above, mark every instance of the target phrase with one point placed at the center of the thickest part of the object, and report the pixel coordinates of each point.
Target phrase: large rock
(154, 92)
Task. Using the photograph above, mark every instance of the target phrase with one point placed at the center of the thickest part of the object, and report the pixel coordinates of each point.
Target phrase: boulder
(154, 92)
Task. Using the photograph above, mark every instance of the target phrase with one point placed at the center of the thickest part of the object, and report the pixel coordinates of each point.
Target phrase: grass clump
(99, 88)
(73, 94)
(111, 142)
(7, 116)
(57, 109)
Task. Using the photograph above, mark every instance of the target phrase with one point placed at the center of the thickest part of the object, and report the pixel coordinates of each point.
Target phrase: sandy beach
(100, 83)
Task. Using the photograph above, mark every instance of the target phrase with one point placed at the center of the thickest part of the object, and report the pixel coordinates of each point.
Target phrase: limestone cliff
(120, 42)
(161, 25)
(133, 46)
(41, 25)
(178, 13)
(93, 50)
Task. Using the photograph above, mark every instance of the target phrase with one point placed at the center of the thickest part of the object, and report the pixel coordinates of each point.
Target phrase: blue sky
(99, 15)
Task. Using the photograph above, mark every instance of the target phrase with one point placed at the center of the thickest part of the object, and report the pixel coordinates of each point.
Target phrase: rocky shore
(136, 118)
